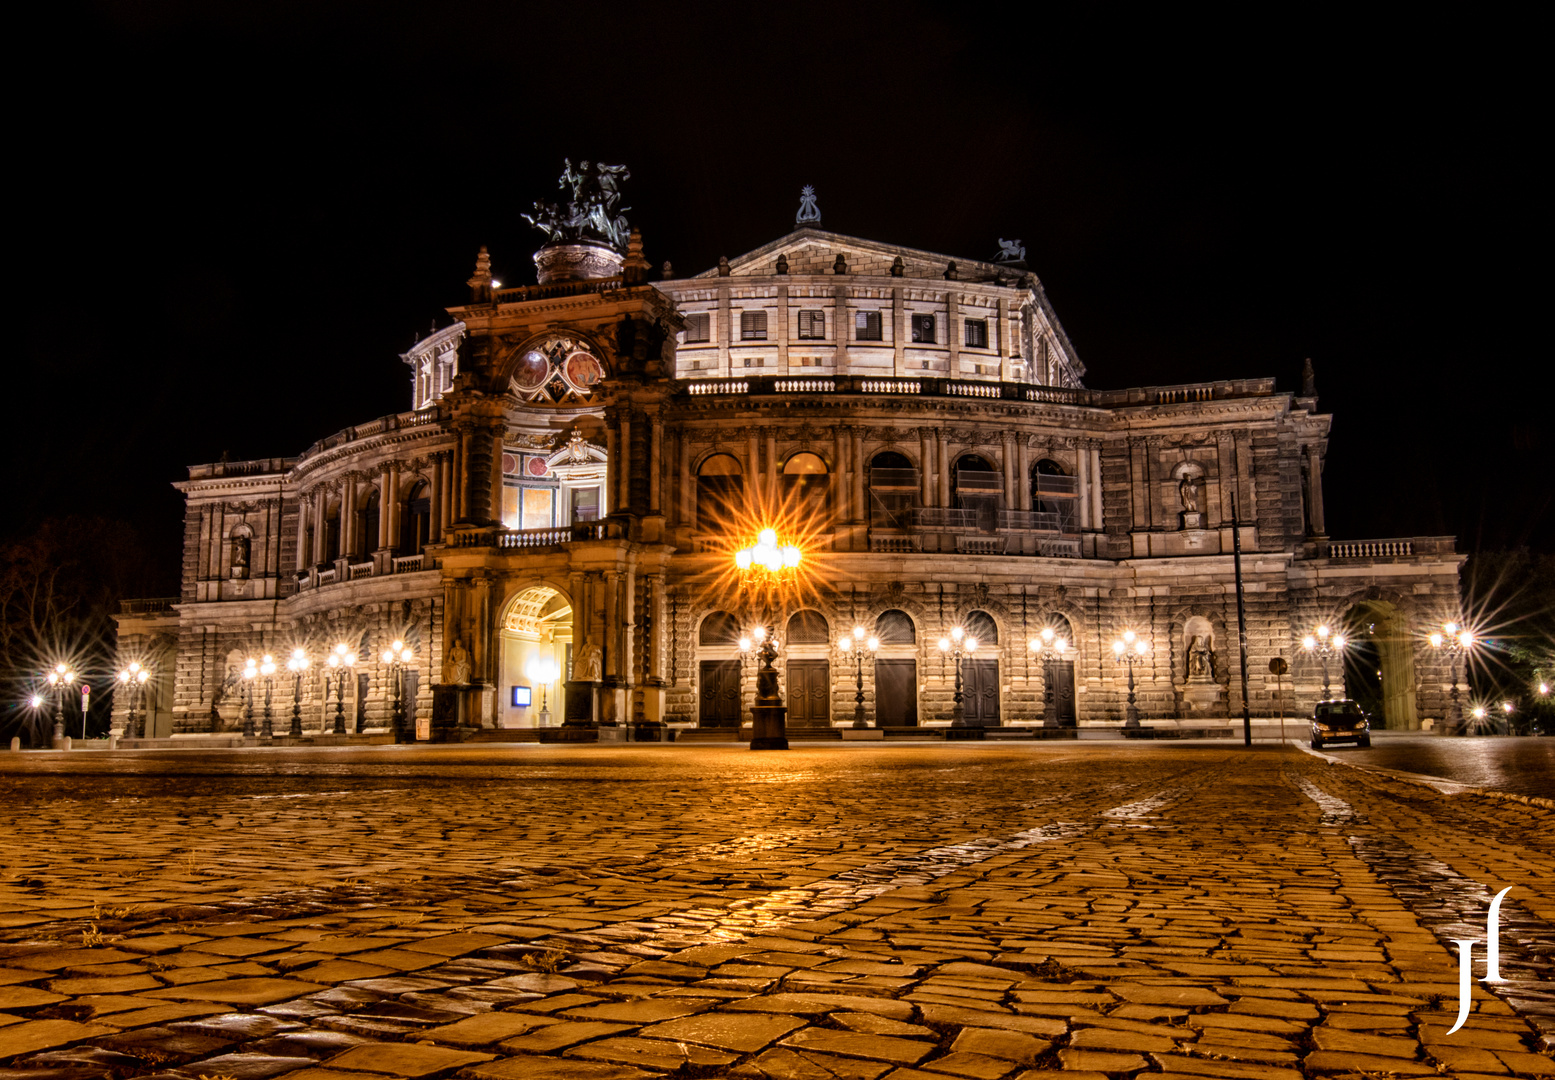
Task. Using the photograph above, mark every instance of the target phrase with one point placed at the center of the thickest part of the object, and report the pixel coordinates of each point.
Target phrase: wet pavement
(908, 912)
(1522, 765)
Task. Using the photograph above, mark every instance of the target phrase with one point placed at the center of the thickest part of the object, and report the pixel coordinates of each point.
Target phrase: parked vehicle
(1340, 720)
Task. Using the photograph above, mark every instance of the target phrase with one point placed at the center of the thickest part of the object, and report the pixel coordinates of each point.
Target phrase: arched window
(808, 628)
(367, 519)
(719, 629)
(1054, 496)
(332, 532)
(720, 490)
(893, 485)
(804, 477)
(978, 489)
(980, 625)
(895, 628)
(416, 520)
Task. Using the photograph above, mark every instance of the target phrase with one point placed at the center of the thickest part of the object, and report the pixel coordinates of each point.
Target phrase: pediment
(812, 251)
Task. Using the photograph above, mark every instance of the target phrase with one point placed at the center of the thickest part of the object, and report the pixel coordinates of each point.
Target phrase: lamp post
(1130, 649)
(133, 679)
(958, 645)
(297, 663)
(60, 679)
(1454, 641)
(1049, 647)
(1324, 644)
(765, 567)
(542, 672)
(250, 673)
(857, 644)
(397, 656)
(340, 661)
(267, 673)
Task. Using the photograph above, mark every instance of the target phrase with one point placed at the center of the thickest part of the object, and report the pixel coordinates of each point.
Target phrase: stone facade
(583, 457)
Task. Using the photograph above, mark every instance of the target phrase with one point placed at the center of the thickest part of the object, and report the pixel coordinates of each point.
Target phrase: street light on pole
(60, 679)
(1129, 650)
(765, 567)
(133, 679)
(959, 645)
(1049, 647)
(396, 656)
(858, 644)
(250, 673)
(340, 661)
(1453, 640)
(297, 663)
(1323, 643)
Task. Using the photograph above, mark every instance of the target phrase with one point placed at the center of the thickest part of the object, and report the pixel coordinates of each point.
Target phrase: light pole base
(769, 727)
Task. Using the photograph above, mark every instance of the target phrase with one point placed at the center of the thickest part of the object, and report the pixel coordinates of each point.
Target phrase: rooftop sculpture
(808, 214)
(593, 214)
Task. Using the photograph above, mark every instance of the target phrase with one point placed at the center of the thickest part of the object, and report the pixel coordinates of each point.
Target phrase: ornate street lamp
(250, 673)
(857, 644)
(297, 663)
(1454, 641)
(765, 567)
(398, 656)
(1049, 647)
(1323, 644)
(60, 679)
(340, 661)
(959, 645)
(1129, 650)
(542, 672)
(133, 679)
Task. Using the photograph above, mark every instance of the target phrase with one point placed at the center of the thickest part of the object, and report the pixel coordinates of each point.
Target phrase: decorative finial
(668, 271)
(1308, 379)
(840, 266)
(951, 273)
(898, 268)
(480, 282)
(782, 263)
(808, 213)
(723, 266)
(634, 268)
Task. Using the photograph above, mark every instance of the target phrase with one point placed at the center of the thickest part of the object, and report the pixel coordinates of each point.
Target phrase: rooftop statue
(1010, 251)
(592, 214)
(808, 212)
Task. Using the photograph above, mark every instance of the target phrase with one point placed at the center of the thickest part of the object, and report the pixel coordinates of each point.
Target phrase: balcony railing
(894, 478)
(979, 480)
(533, 538)
(1057, 485)
(762, 385)
(1401, 548)
(561, 288)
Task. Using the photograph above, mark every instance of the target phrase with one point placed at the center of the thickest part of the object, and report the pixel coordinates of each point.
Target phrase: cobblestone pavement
(908, 913)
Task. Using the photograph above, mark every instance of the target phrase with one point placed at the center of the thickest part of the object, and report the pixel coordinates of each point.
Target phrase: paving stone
(241, 991)
(641, 1011)
(1101, 1061)
(742, 1032)
(1035, 1025)
(314, 1043)
(1165, 995)
(821, 1004)
(651, 1053)
(1467, 1060)
(248, 1066)
(27, 997)
(1096, 1038)
(1526, 1063)
(487, 1029)
(871, 1024)
(109, 984)
(1232, 1070)
(1342, 1061)
(32, 1035)
(1326, 1038)
(850, 1044)
(975, 1066)
(404, 1059)
(536, 1068)
(557, 1036)
(1010, 1045)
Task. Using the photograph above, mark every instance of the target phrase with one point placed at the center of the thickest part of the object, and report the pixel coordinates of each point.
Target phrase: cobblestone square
(922, 911)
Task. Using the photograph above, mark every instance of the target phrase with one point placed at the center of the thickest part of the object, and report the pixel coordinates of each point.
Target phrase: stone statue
(808, 212)
(1189, 489)
(593, 214)
(240, 550)
(457, 669)
(1010, 251)
(588, 665)
(1200, 662)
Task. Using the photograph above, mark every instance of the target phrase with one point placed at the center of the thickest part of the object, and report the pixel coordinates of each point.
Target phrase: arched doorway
(980, 673)
(809, 670)
(1379, 664)
(536, 649)
(1058, 699)
(720, 684)
(896, 670)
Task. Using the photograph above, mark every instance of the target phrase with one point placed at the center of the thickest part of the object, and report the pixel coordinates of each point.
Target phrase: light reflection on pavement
(1519, 765)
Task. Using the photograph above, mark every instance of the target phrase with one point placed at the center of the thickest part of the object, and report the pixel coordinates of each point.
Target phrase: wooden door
(896, 693)
(980, 690)
(720, 695)
(809, 693)
(1059, 676)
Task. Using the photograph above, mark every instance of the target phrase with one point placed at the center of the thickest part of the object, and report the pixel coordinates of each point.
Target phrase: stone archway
(535, 642)
(1378, 630)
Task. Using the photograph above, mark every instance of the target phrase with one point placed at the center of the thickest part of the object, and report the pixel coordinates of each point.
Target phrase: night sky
(227, 221)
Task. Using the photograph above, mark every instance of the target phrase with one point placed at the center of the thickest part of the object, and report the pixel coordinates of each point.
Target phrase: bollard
(113, 742)
(16, 744)
(64, 744)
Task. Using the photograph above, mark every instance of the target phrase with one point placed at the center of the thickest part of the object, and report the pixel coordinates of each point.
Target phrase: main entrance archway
(536, 651)
(1379, 664)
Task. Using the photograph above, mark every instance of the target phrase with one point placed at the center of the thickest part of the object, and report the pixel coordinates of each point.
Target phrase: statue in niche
(588, 666)
(240, 552)
(1201, 662)
(1189, 490)
(457, 670)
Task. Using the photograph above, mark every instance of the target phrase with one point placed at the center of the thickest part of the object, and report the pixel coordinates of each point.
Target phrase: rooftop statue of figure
(592, 214)
(1010, 251)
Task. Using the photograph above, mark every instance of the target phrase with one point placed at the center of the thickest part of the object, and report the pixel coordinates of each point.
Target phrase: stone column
(496, 479)
(1011, 468)
(926, 466)
(687, 482)
(724, 332)
(381, 541)
(841, 330)
(1083, 483)
(461, 477)
(782, 329)
(839, 473)
(752, 470)
(391, 506)
(942, 460)
(320, 523)
(771, 470)
(655, 461)
(1002, 337)
(858, 474)
(1023, 474)
(348, 516)
(898, 331)
(1096, 492)
(952, 318)
(302, 532)
(435, 502)
(1315, 492)
(613, 469)
(1226, 480)
(624, 473)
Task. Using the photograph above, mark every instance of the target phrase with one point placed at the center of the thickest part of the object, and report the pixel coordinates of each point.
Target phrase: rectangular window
(698, 328)
(977, 333)
(812, 325)
(866, 326)
(585, 504)
(753, 326)
(923, 329)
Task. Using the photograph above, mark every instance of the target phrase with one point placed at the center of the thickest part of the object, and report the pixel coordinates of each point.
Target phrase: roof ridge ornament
(1010, 251)
(808, 214)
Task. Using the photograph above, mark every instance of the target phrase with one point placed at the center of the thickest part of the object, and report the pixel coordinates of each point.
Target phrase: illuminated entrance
(536, 652)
